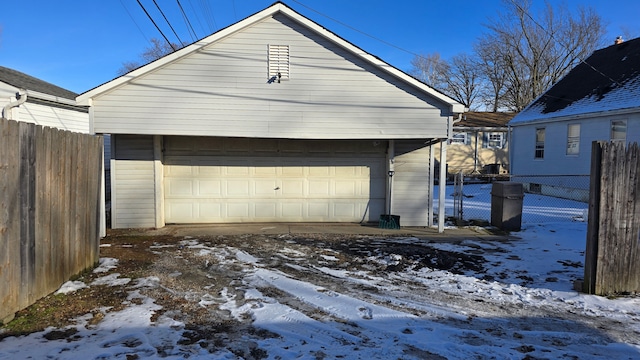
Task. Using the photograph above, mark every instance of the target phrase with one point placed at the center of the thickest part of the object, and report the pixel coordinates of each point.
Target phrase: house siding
(411, 183)
(461, 157)
(133, 182)
(223, 90)
(65, 119)
(556, 161)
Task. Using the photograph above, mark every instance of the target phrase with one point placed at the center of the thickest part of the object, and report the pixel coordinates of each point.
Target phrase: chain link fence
(546, 199)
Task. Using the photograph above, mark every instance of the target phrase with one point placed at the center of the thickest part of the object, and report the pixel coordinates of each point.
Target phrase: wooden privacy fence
(612, 257)
(49, 210)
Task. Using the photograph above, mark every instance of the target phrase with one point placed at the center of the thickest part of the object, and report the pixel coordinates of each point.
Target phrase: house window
(278, 62)
(573, 139)
(618, 130)
(539, 154)
(493, 140)
(460, 138)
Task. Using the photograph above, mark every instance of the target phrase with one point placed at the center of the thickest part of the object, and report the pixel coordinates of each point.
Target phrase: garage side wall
(132, 182)
(411, 183)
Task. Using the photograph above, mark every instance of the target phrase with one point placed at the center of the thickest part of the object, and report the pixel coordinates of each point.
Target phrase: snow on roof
(608, 80)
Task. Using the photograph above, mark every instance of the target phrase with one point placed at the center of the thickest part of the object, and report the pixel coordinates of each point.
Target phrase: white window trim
(457, 136)
(573, 140)
(612, 126)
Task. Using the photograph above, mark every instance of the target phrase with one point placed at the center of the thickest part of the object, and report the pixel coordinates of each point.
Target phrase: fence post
(593, 225)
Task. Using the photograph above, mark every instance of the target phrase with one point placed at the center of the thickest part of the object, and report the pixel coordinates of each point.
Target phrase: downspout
(21, 97)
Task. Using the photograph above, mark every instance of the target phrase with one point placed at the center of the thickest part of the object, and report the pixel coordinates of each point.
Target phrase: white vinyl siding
(209, 180)
(51, 116)
(221, 90)
(410, 183)
(132, 174)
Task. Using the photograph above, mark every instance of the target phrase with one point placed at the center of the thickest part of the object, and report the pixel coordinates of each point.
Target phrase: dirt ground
(187, 277)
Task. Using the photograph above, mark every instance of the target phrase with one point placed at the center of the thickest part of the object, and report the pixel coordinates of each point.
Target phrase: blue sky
(80, 44)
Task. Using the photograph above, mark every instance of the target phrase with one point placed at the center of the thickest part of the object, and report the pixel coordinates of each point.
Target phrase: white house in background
(274, 118)
(25, 98)
(597, 100)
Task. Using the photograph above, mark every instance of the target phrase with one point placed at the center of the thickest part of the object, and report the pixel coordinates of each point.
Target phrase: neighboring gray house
(274, 118)
(597, 100)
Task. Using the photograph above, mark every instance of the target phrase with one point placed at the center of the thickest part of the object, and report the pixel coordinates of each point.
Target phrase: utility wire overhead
(134, 21)
(192, 32)
(357, 30)
(156, 25)
(193, 10)
(168, 23)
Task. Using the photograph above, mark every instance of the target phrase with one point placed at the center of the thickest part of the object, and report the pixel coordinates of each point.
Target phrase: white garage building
(274, 118)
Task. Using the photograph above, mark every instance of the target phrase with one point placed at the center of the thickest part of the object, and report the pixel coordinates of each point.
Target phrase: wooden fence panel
(612, 257)
(50, 183)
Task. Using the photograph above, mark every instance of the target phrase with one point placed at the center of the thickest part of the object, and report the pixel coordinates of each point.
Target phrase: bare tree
(493, 71)
(156, 50)
(535, 52)
(430, 69)
(464, 80)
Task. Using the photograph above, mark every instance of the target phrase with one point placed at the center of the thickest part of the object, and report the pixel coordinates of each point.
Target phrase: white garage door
(209, 181)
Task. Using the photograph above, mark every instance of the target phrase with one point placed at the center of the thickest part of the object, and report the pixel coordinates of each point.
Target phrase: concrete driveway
(449, 235)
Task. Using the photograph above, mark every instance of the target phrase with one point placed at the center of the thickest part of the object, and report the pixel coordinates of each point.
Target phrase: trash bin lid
(507, 188)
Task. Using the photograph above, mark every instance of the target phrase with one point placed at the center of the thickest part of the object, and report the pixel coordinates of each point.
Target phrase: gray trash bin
(506, 205)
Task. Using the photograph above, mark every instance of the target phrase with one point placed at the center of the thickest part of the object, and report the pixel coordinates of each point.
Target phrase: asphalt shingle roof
(27, 82)
(485, 119)
(607, 80)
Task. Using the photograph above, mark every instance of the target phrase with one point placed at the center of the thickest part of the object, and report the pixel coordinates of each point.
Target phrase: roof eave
(614, 112)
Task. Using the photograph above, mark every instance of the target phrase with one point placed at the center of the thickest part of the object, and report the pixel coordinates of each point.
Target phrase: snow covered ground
(339, 301)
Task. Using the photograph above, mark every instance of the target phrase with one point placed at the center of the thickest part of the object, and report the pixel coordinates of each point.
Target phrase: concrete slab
(449, 235)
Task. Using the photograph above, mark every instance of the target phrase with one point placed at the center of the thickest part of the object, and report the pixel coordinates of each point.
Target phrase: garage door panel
(344, 210)
(265, 210)
(238, 210)
(347, 188)
(179, 187)
(237, 188)
(210, 188)
(265, 188)
(293, 210)
(217, 189)
(293, 188)
(317, 211)
(210, 210)
(319, 188)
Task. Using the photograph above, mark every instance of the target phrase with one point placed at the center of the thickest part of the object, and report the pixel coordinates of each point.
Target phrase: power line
(134, 21)
(168, 23)
(156, 25)
(193, 10)
(208, 16)
(359, 31)
(189, 27)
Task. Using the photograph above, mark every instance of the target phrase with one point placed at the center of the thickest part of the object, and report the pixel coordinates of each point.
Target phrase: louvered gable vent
(279, 62)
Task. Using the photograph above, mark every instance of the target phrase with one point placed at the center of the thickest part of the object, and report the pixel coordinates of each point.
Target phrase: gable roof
(23, 81)
(484, 119)
(277, 7)
(608, 80)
